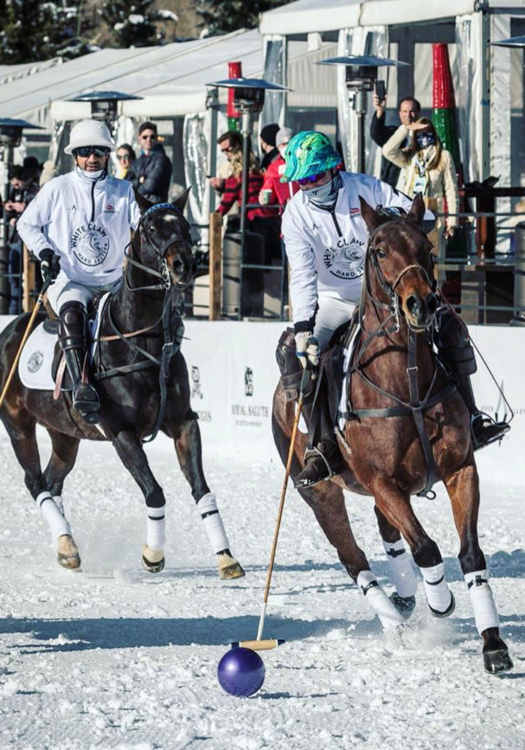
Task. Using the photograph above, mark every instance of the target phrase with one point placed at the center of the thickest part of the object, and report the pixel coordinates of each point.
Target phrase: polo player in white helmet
(79, 225)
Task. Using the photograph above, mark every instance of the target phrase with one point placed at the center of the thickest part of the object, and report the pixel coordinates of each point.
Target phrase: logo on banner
(248, 381)
(196, 390)
(250, 415)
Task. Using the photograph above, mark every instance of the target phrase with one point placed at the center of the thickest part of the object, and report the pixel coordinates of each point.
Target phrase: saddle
(42, 365)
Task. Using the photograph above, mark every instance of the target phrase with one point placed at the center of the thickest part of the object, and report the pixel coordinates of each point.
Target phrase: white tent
(489, 82)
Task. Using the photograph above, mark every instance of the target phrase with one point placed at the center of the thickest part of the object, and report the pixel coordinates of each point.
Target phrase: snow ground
(114, 657)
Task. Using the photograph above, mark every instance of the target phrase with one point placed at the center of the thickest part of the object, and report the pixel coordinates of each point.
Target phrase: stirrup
(485, 430)
(86, 402)
(317, 468)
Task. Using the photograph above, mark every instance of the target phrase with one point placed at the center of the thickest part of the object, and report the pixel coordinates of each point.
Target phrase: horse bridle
(390, 288)
(163, 274)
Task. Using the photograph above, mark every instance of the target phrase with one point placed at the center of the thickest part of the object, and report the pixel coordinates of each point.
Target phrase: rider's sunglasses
(85, 151)
(312, 178)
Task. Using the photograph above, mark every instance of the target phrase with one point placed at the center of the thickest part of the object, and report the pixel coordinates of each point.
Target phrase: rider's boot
(323, 459)
(485, 430)
(458, 353)
(73, 342)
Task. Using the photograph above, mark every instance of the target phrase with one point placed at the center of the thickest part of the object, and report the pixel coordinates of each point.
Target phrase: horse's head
(400, 256)
(165, 240)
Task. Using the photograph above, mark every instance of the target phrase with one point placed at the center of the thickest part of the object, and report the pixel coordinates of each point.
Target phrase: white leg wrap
(485, 612)
(378, 600)
(156, 528)
(439, 596)
(401, 570)
(52, 515)
(212, 521)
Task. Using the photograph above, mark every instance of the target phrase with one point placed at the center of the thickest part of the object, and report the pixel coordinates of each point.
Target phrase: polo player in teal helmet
(325, 239)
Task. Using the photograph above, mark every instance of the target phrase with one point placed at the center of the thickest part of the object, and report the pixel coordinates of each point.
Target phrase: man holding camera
(408, 111)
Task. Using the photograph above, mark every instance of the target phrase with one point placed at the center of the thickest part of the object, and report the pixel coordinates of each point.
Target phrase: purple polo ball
(241, 672)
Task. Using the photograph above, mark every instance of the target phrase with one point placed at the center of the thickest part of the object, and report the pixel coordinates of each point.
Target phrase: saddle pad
(347, 358)
(36, 361)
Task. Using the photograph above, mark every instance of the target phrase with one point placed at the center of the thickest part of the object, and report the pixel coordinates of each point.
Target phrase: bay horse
(408, 427)
(143, 387)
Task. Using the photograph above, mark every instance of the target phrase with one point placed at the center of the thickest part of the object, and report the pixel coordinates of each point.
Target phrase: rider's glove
(49, 264)
(307, 349)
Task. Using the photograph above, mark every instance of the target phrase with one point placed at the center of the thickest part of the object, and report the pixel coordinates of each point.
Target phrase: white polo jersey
(86, 223)
(326, 248)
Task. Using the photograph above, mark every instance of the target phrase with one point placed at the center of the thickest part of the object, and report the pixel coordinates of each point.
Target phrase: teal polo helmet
(309, 153)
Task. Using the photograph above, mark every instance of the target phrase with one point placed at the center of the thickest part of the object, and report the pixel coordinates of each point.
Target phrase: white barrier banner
(233, 374)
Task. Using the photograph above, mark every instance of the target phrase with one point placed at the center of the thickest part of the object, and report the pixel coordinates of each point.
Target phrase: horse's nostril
(413, 304)
(178, 266)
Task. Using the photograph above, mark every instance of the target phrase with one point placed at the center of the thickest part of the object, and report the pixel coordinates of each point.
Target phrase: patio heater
(519, 268)
(248, 99)
(104, 105)
(361, 75)
(10, 137)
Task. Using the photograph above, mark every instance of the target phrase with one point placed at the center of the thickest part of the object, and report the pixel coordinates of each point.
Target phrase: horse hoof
(153, 559)
(404, 604)
(497, 660)
(229, 568)
(68, 556)
(451, 607)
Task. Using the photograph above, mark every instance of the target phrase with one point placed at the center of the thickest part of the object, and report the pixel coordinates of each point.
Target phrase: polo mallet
(12, 371)
(259, 644)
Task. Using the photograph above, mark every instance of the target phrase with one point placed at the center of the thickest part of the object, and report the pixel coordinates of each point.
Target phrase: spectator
(125, 157)
(151, 174)
(268, 147)
(273, 190)
(23, 188)
(233, 190)
(408, 111)
(427, 168)
(33, 167)
(230, 143)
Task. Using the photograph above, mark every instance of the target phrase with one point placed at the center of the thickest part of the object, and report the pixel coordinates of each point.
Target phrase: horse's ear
(182, 200)
(143, 203)
(370, 215)
(417, 210)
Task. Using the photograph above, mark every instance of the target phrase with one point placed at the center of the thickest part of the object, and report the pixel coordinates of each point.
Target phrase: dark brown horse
(143, 385)
(409, 424)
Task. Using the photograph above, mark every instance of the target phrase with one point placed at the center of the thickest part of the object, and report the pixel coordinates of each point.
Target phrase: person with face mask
(273, 190)
(326, 238)
(427, 168)
(78, 225)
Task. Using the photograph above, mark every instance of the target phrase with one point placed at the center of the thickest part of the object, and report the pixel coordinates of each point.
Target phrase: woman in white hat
(78, 225)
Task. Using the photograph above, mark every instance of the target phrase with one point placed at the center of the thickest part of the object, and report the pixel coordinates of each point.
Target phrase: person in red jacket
(233, 188)
(273, 190)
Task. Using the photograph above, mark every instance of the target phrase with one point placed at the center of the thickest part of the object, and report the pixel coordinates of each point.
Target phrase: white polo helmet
(89, 133)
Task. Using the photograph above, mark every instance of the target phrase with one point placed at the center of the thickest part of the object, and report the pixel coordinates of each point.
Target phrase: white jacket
(326, 249)
(86, 223)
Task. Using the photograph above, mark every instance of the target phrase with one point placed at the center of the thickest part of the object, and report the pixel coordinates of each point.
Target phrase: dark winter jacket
(380, 133)
(155, 167)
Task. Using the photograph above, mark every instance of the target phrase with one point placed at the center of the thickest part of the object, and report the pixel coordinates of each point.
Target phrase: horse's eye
(381, 254)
